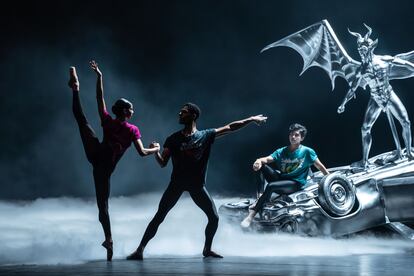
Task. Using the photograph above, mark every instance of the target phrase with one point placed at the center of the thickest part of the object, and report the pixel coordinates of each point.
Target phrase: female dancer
(118, 135)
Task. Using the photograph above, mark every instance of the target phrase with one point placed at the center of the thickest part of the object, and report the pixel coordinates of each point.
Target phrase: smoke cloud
(66, 230)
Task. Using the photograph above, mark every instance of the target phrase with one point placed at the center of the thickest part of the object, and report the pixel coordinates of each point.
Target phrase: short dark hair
(298, 127)
(194, 109)
(119, 106)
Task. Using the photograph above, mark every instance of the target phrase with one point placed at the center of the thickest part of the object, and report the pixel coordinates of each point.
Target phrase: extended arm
(404, 63)
(142, 151)
(236, 125)
(162, 158)
(351, 93)
(260, 161)
(99, 89)
(318, 164)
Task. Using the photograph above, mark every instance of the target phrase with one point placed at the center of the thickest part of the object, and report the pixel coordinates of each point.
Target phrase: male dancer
(189, 149)
(118, 136)
(293, 161)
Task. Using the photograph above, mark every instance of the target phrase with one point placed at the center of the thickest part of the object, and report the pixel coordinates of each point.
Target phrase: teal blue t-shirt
(294, 165)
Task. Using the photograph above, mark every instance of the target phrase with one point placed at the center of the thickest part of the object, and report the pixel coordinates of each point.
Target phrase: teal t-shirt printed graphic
(294, 165)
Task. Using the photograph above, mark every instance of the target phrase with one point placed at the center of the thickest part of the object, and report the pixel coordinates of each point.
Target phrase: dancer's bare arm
(164, 157)
(236, 125)
(99, 89)
(143, 151)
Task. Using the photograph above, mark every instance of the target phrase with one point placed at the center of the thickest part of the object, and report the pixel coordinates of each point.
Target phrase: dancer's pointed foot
(136, 255)
(109, 245)
(210, 253)
(73, 79)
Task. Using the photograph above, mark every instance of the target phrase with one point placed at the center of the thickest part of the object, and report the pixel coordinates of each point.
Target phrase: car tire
(289, 226)
(336, 194)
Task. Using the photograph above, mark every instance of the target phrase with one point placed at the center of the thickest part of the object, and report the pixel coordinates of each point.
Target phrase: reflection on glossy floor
(67, 242)
(400, 264)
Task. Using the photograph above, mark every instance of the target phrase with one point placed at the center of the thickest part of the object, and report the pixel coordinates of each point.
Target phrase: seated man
(293, 161)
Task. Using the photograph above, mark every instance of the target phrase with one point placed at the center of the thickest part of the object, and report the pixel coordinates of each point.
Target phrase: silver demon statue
(319, 46)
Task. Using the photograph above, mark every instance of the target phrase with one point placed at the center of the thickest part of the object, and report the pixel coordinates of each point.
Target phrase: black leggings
(275, 185)
(102, 167)
(170, 197)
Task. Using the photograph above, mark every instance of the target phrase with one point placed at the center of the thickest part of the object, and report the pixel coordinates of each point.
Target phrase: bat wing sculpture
(319, 46)
(401, 72)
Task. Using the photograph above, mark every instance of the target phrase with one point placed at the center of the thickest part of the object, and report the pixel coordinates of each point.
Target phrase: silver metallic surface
(381, 195)
(336, 193)
(319, 46)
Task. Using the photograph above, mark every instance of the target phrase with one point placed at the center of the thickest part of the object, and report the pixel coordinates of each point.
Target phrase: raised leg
(89, 139)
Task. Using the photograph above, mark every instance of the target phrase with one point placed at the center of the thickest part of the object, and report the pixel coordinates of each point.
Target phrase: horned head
(365, 42)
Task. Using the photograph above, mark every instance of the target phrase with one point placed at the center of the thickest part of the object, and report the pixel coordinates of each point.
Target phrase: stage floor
(171, 265)
(62, 236)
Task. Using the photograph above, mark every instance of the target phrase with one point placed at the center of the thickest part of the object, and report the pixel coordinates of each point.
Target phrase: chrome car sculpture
(346, 201)
(373, 192)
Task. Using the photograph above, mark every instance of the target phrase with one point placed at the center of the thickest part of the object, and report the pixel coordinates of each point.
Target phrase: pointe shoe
(73, 79)
(109, 249)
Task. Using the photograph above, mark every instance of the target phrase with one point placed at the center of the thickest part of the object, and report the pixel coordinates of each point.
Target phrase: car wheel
(289, 226)
(336, 194)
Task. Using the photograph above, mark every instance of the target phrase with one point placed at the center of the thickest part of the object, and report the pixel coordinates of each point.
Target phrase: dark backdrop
(160, 54)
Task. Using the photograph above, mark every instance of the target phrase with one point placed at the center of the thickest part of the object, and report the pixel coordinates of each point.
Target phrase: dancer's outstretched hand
(155, 145)
(95, 67)
(259, 119)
